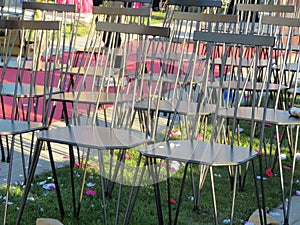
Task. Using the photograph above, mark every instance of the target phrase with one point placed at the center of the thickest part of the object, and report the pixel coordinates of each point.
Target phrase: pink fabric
(136, 5)
(85, 6)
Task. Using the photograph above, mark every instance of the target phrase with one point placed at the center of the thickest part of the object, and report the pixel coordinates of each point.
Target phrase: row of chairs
(205, 76)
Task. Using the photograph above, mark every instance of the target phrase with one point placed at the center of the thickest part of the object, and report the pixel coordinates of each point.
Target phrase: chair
(67, 14)
(93, 136)
(176, 60)
(43, 12)
(251, 14)
(250, 23)
(24, 84)
(213, 153)
(109, 14)
(287, 67)
(275, 116)
(189, 6)
(113, 13)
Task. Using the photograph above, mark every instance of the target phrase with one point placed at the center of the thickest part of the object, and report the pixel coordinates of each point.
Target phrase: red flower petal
(127, 155)
(172, 201)
(262, 154)
(269, 172)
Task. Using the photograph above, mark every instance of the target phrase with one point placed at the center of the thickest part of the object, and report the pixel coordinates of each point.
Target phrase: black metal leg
(52, 113)
(31, 150)
(169, 191)
(280, 173)
(65, 113)
(23, 157)
(7, 149)
(72, 163)
(57, 188)
(203, 173)
(286, 219)
(121, 155)
(9, 179)
(2, 150)
(36, 156)
(192, 179)
(153, 173)
(133, 195)
(180, 194)
(260, 203)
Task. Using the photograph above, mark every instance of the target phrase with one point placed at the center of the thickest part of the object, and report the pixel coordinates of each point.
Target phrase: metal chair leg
(34, 163)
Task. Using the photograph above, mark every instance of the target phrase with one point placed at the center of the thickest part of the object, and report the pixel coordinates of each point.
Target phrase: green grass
(156, 18)
(45, 203)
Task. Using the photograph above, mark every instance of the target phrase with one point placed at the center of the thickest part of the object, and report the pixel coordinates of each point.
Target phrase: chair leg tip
(196, 209)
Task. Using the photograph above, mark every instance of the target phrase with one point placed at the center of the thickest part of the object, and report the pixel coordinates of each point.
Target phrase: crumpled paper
(255, 219)
(47, 221)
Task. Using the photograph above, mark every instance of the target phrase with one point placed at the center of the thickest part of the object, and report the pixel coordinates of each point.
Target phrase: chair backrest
(195, 6)
(181, 43)
(123, 80)
(32, 82)
(286, 63)
(128, 3)
(233, 46)
(113, 15)
(123, 15)
(250, 15)
(66, 14)
(137, 4)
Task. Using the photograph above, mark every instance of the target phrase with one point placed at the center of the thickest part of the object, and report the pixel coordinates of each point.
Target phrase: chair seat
(23, 91)
(245, 62)
(207, 153)
(276, 117)
(291, 91)
(13, 127)
(92, 70)
(177, 56)
(13, 64)
(89, 97)
(249, 86)
(184, 107)
(295, 48)
(97, 137)
(292, 67)
(171, 78)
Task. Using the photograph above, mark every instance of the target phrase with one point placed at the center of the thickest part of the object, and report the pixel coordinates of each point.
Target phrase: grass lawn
(43, 203)
(157, 18)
